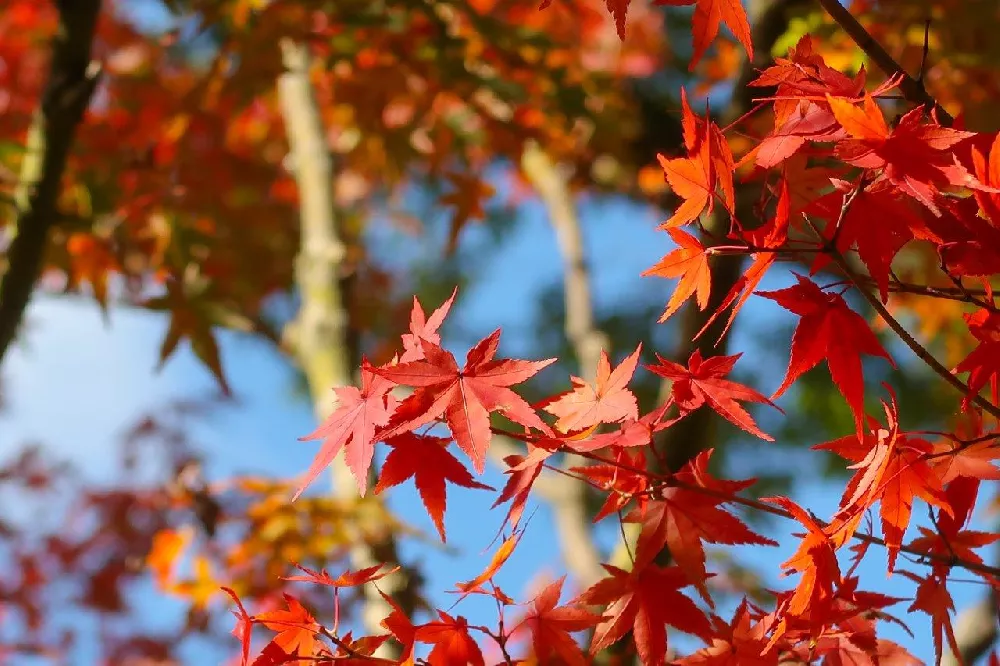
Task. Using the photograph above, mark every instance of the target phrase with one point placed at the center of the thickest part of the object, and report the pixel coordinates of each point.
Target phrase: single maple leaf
(427, 461)
(464, 397)
(983, 362)
(467, 198)
(244, 626)
(499, 558)
(346, 579)
(702, 383)
(608, 401)
(424, 328)
(399, 625)
(643, 600)
(623, 479)
(954, 546)
(164, 553)
(689, 262)
(708, 165)
(708, 15)
(828, 329)
(916, 157)
(296, 627)
(988, 172)
(191, 317)
(934, 599)
(453, 646)
(683, 519)
(815, 559)
(550, 627)
(892, 469)
(739, 643)
(359, 415)
(523, 471)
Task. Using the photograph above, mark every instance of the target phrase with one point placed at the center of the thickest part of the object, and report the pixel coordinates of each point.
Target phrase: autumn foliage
(837, 183)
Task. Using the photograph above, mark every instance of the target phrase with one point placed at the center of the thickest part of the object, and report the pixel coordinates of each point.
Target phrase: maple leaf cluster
(849, 190)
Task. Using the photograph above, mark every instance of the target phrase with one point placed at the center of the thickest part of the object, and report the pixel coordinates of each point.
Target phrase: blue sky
(74, 385)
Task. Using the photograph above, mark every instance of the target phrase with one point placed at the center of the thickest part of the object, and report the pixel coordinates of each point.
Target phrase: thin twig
(911, 88)
(669, 480)
(903, 334)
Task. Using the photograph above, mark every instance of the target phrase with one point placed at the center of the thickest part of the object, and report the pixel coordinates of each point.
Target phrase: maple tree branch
(912, 89)
(904, 335)
(670, 480)
(567, 498)
(71, 81)
(318, 336)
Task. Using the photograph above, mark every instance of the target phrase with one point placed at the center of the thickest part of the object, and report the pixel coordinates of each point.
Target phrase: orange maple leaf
(689, 262)
(296, 627)
(708, 15)
(707, 165)
(608, 401)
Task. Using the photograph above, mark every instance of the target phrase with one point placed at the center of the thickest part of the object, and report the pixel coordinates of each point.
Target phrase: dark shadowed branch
(71, 81)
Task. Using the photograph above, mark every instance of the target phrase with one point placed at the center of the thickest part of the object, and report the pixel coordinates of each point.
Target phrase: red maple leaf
(708, 15)
(983, 362)
(523, 471)
(427, 461)
(453, 646)
(916, 157)
(702, 383)
(550, 627)
(829, 330)
(244, 626)
(643, 600)
(934, 599)
(683, 519)
(296, 627)
(892, 469)
(689, 262)
(464, 397)
(424, 328)
(624, 479)
(815, 559)
(346, 579)
(608, 401)
(876, 244)
(739, 643)
(468, 198)
(766, 238)
(354, 424)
